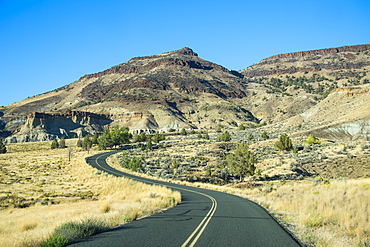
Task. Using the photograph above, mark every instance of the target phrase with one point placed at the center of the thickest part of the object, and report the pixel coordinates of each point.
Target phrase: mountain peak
(185, 51)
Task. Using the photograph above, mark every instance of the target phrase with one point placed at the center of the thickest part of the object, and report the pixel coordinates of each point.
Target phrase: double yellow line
(199, 230)
(193, 238)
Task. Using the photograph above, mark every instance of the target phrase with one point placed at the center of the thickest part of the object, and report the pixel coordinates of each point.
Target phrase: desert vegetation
(317, 189)
(45, 199)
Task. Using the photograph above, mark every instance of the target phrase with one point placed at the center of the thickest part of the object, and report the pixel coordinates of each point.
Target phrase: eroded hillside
(178, 89)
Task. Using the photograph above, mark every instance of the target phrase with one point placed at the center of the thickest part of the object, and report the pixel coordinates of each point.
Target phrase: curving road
(203, 218)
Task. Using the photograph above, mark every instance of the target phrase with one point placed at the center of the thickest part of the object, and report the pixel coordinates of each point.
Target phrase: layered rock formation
(178, 89)
(46, 126)
(152, 93)
(354, 48)
(341, 58)
(180, 70)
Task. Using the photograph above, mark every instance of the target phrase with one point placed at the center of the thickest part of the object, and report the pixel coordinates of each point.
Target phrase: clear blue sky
(46, 44)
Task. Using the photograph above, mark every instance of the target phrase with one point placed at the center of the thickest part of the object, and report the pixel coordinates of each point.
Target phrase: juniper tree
(79, 143)
(62, 143)
(149, 144)
(2, 147)
(284, 143)
(264, 135)
(183, 132)
(54, 144)
(242, 161)
(158, 137)
(206, 136)
(225, 137)
(87, 143)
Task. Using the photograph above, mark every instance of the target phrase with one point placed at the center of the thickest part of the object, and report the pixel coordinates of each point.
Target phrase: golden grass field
(54, 191)
(319, 212)
(325, 214)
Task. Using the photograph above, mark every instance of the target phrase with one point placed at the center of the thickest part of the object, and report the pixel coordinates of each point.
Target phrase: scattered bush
(2, 147)
(131, 163)
(241, 127)
(183, 132)
(265, 136)
(158, 137)
(312, 140)
(225, 137)
(62, 143)
(54, 144)
(71, 231)
(206, 136)
(242, 161)
(114, 137)
(284, 143)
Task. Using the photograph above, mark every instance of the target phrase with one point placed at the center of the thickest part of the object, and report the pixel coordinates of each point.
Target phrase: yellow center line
(202, 225)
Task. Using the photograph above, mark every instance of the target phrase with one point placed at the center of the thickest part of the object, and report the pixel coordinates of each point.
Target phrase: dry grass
(321, 214)
(334, 214)
(342, 206)
(115, 200)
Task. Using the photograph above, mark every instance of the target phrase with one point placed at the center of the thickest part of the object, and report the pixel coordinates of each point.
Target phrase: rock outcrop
(354, 48)
(180, 70)
(47, 126)
(178, 89)
(341, 58)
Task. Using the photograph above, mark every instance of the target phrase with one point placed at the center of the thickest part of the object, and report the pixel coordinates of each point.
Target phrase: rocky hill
(172, 90)
(178, 89)
(334, 82)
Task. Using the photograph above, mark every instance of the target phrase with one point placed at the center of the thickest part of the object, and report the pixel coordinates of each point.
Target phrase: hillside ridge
(353, 48)
(178, 89)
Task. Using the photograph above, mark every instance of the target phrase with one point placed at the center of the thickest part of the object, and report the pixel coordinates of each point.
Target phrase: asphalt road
(203, 218)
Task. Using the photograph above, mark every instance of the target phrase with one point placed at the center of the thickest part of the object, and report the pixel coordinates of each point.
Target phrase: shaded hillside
(153, 93)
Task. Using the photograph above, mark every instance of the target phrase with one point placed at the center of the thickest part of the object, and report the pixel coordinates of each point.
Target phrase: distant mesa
(354, 48)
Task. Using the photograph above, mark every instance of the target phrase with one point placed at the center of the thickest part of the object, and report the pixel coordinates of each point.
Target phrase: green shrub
(284, 143)
(225, 137)
(158, 137)
(242, 161)
(312, 140)
(208, 171)
(2, 147)
(149, 144)
(62, 143)
(241, 127)
(55, 241)
(54, 144)
(265, 136)
(71, 231)
(79, 143)
(87, 143)
(131, 163)
(206, 136)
